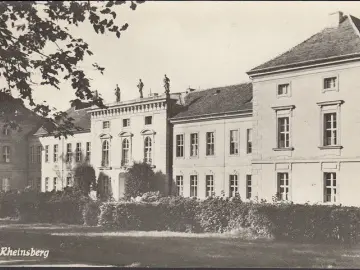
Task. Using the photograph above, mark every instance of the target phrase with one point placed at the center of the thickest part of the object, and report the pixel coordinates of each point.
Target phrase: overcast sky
(197, 44)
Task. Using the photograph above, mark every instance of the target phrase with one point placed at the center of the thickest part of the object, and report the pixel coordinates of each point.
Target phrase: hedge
(291, 222)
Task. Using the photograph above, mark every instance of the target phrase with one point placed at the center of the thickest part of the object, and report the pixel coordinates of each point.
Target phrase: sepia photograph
(180, 134)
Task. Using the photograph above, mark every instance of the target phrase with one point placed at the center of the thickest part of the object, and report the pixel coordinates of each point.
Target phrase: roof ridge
(217, 87)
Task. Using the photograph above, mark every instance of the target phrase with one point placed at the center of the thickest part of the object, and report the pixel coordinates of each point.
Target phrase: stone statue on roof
(117, 93)
(167, 85)
(140, 86)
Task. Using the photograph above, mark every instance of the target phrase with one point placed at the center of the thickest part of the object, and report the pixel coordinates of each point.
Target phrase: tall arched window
(105, 154)
(147, 150)
(125, 152)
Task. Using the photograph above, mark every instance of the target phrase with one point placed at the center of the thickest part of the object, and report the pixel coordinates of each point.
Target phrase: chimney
(335, 19)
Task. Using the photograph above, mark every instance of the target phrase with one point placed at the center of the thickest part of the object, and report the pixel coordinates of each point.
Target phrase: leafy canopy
(29, 28)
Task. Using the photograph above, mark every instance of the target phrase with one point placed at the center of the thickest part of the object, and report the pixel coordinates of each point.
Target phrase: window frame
(46, 154)
(233, 185)
(105, 153)
(55, 152)
(235, 143)
(211, 191)
(285, 186)
(69, 153)
(106, 124)
(148, 149)
(126, 120)
(55, 183)
(88, 151)
(248, 186)
(207, 144)
(46, 184)
(180, 147)
(332, 187)
(288, 94)
(194, 187)
(333, 88)
(249, 140)
(193, 144)
(179, 187)
(282, 112)
(146, 118)
(6, 154)
(78, 152)
(38, 154)
(326, 108)
(125, 162)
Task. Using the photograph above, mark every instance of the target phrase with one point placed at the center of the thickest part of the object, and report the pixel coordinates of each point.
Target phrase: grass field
(84, 246)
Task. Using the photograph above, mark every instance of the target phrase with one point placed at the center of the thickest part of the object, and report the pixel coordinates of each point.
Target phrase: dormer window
(283, 90)
(106, 124)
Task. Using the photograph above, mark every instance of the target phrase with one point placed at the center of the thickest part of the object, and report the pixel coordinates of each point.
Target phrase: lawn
(83, 246)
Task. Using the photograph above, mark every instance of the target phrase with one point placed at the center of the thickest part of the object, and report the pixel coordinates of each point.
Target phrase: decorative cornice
(327, 103)
(285, 107)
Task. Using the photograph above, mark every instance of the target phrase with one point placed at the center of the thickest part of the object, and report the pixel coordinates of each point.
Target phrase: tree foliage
(28, 29)
(140, 179)
(84, 178)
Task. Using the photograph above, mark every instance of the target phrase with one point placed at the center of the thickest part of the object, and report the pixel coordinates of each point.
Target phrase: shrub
(91, 213)
(84, 177)
(106, 216)
(140, 179)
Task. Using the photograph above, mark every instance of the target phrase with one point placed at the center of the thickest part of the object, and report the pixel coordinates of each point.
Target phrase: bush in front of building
(7, 202)
(84, 178)
(140, 178)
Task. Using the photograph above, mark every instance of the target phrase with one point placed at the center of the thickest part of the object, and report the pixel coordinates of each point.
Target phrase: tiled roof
(328, 43)
(217, 101)
(81, 120)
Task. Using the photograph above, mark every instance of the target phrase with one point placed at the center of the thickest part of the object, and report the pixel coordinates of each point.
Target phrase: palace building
(290, 132)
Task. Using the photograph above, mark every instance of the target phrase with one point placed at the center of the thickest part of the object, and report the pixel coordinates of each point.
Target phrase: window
(78, 154)
(55, 183)
(210, 143)
(46, 184)
(68, 181)
(330, 187)
(106, 124)
(88, 151)
(6, 131)
(56, 149)
(233, 185)
(283, 89)
(38, 153)
(330, 83)
(126, 122)
(180, 185)
(194, 145)
(125, 152)
(179, 145)
(148, 120)
(209, 185)
(106, 185)
(283, 186)
(32, 154)
(283, 132)
(248, 141)
(147, 150)
(193, 185)
(5, 184)
(68, 152)
(330, 129)
(105, 154)
(248, 186)
(6, 154)
(46, 153)
(234, 142)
